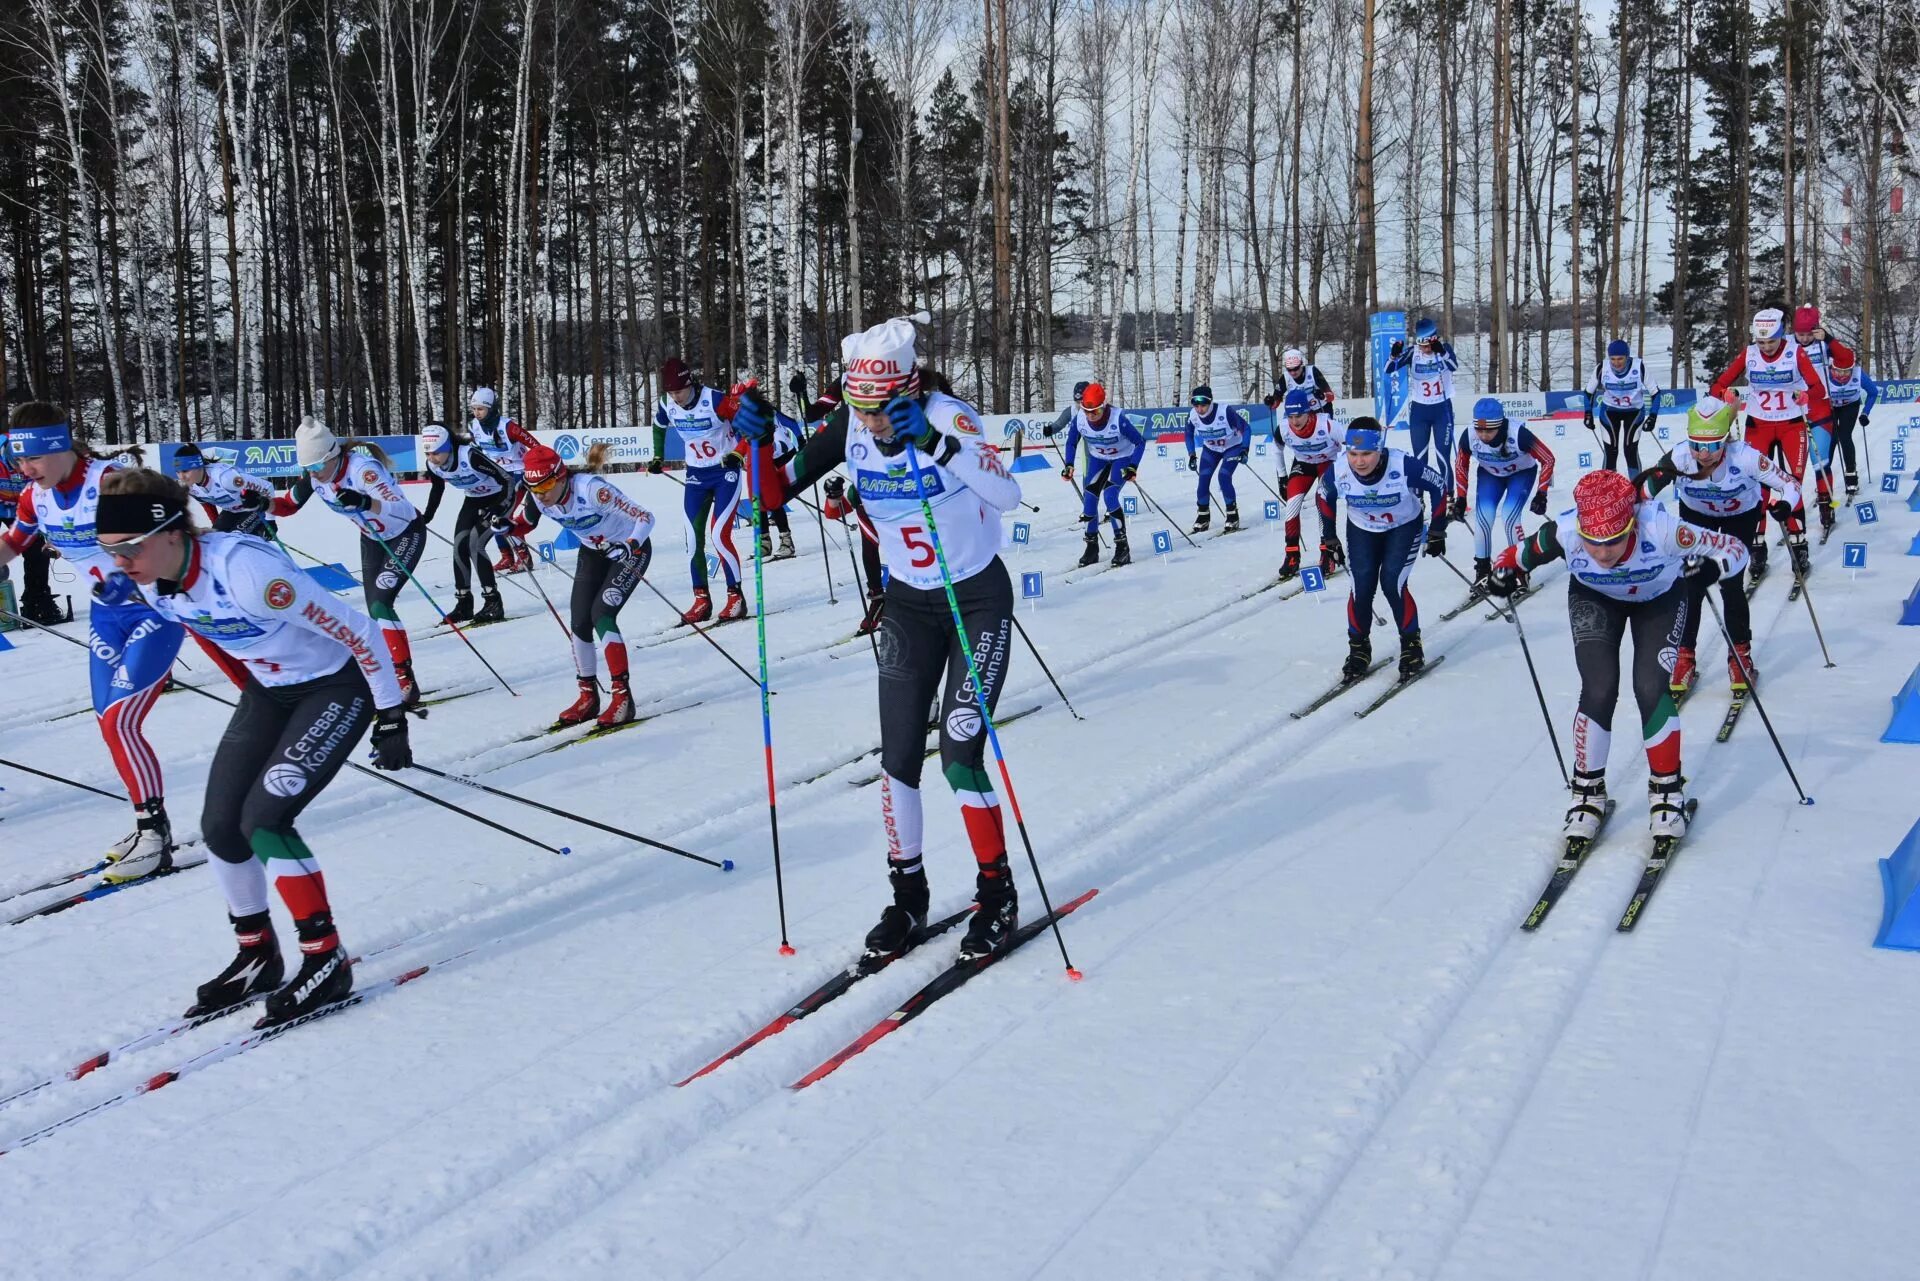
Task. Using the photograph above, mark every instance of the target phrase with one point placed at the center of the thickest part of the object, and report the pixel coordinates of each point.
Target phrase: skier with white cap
(506, 443)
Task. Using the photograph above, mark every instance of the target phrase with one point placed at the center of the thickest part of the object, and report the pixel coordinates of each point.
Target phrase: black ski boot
(1091, 556)
(1233, 519)
(1482, 574)
(40, 607)
(1201, 521)
(903, 917)
(998, 916)
(255, 972)
(1413, 658)
(462, 611)
(1290, 567)
(1758, 569)
(1122, 554)
(325, 977)
(1359, 658)
(491, 610)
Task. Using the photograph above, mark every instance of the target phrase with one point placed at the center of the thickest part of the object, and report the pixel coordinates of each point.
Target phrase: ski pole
(1043, 667)
(457, 629)
(564, 630)
(1817, 633)
(981, 700)
(1526, 651)
(1754, 693)
(826, 561)
(1163, 513)
(1066, 465)
(40, 773)
(766, 703)
(865, 588)
(725, 865)
(1255, 473)
(704, 633)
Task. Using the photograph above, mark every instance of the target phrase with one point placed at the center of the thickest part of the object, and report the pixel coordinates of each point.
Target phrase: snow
(1311, 1043)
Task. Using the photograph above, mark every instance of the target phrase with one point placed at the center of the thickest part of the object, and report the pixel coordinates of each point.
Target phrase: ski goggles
(1718, 446)
(1607, 540)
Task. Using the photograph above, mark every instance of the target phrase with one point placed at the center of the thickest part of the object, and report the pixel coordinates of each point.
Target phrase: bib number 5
(919, 545)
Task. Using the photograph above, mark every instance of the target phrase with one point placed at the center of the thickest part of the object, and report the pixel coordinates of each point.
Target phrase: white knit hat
(877, 364)
(434, 438)
(313, 443)
(482, 396)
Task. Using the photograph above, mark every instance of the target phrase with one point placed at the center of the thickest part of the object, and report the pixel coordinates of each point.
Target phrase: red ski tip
(786, 949)
(1074, 975)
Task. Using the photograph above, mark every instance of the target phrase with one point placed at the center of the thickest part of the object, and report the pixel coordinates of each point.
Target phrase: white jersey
(497, 443)
(706, 437)
(1388, 501)
(463, 475)
(1505, 459)
(1319, 445)
(1620, 389)
(1662, 544)
(1221, 433)
(597, 513)
(967, 492)
(1105, 441)
(68, 522)
(1772, 385)
(1308, 381)
(1431, 376)
(391, 511)
(1734, 486)
(227, 487)
(246, 597)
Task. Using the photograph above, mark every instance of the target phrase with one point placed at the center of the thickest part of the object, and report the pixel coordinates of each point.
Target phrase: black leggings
(380, 576)
(1845, 419)
(920, 656)
(601, 586)
(1599, 624)
(1733, 591)
(1615, 428)
(471, 530)
(283, 745)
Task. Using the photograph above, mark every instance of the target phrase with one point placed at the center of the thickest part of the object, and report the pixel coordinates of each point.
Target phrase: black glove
(1504, 581)
(1399, 346)
(1702, 571)
(255, 502)
(1066, 473)
(390, 747)
(1797, 552)
(1864, 421)
(1457, 508)
(655, 466)
(798, 386)
(641, 552)
(352, 499)
(1437, 539)
(1128, 473)
(1589, 417)
(1782, 511)
(835, 487)
(1539, 504)
(500, 522)
(1193, 462)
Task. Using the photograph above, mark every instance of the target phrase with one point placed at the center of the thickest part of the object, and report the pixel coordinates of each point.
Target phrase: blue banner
(1390, 393)
(275, 458)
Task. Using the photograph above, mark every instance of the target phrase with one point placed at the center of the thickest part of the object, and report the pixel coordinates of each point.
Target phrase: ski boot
(1482, 575)
(785, 550)
(876, 605)
(1333, 558)
(1666, 798)
(900, 919)
(1798, 555)
(462, 611)
(491, 610)
(1740, 669)
(409, 687)
(619, 706)
(766, 546)
(1290, 567)
(1232, 521)
(255, 972)
(1757, 570)
(1413, 656)
(585, 707)
(1684, 674)
(1826, 516)
(735, 606)
(1359, 658)
(508, 559)
(1589, 804)
(39, 607)
(1091, 556)
(1122, 554)
(1201, 521)
(992, 926)
(1853, 487)
(522, 558)
(325, 977)
(145, 851)
(701, 609)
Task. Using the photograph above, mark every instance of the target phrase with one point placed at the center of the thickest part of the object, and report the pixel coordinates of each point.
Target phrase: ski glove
(390, 747)
(655, 466)
(798, 386)
(910, 423)
(1782, 511)
(1504, 581)
(1437, 540)
(1457, 508)
(1864, 421)
(835, 488)
(116, 589)
(254, 502)
(353, 500)
(1399, 346)
(753, 420)
(1193, 462)
(641, 553)
(500, 522)
(1702, 571)
(1539, 504)
(1128, 473)
(1066, 473)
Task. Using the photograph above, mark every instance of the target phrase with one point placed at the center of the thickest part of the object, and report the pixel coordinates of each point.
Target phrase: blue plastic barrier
(1910, 612)
(1899, 877)
(1913, 548)
(566, 542)
(1913, 499)
(334, 577)
(1905, 725)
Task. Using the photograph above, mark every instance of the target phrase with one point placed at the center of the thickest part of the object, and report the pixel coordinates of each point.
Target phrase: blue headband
(31, 442)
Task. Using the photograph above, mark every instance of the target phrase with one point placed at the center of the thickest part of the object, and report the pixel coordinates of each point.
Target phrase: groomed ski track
(1312, 1042)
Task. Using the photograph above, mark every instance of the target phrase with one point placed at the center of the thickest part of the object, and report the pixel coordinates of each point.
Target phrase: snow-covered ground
(1311, 1042)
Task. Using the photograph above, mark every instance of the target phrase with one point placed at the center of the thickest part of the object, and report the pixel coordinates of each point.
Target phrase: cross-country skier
(36, 595)
(1306, 428)
(712, 495)
(1718, 480)
(1813, 339)
(1785, 391)
(486, 507)
(1511, 460)
(1114, 449)
(1621, 403)
(1387, 527)
(351, 477)
(1852, 395)
(1430, 364)
(312, 677)
(1065, 416)
(1297, 375)
(506, 443)
(616, 546)
(1216, 441)
(132, 647)
(1628, 562)
(891, 403)
(787, 434)
(235, 502)
(840, 502)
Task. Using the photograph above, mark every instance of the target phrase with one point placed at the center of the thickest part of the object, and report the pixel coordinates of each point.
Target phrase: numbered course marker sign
(1179, 464)
(1260, 449)
(1854, 556)
(1272, 509)
(1890, 482)
(1560, 429)
(1867, 513)
(1661, 432)
(1022, 533)
(1586, 458)
(1162, 542)
(1312, 580)
(1159, 451)
(1130, 505)
(1033, 585)
(546, 551)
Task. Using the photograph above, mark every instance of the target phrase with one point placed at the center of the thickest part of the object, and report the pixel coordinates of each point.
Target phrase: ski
(944, 983)
(58, 881)
(832, 990)
(1336, 691)
(1733, 714)
(98, 892)
(1663, 851)
(1793, 593)
(1399, 685)
(1571, 859)
(1474, 597)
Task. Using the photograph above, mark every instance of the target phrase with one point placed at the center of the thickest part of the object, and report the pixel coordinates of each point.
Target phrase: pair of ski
(942, 984)
(1348, 682)
(93, 892)
(1574, 857)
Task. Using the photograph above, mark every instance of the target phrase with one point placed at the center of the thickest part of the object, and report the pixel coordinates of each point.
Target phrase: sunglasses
(550, 482)
(1708, 446)
(1610, 539)
(129, 548)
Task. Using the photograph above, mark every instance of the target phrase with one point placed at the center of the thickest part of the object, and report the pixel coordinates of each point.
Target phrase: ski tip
(726, 865)
(786, 949)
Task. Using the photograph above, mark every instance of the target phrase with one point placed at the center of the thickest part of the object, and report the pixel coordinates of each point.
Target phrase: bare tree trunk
(1573, 201)
(1497, 369)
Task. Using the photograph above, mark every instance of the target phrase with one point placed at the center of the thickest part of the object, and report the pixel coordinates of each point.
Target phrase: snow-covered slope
(1311, 1042)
